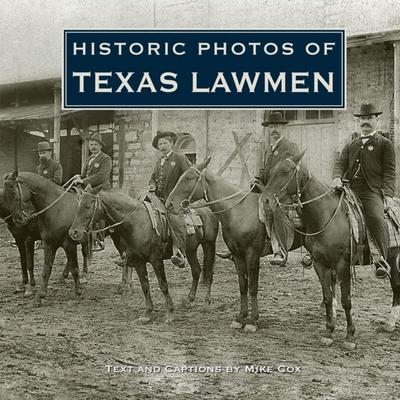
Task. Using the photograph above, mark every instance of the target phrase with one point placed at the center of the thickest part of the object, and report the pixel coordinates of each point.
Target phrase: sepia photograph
(199, 199)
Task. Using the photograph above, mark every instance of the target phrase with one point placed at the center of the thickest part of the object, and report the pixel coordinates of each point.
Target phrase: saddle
(158, 216)
(358, 226)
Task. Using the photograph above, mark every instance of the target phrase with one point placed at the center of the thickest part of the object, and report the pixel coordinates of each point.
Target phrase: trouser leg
(177, 225)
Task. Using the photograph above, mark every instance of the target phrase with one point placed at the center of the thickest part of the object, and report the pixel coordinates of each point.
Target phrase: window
(319, 114)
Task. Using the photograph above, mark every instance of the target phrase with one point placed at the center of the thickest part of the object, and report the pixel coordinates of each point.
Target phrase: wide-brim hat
(274, 118)
(97, 137)
(163, 134)
(367, 109)
(44, 146)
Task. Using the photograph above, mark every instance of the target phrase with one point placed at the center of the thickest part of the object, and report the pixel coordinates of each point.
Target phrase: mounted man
(96, 172)
(369, 164)
(48, 167)
(281, 235)
(168, 169)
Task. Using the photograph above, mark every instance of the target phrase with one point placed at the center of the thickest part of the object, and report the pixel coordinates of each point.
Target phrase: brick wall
(27, 159)
(369, 79)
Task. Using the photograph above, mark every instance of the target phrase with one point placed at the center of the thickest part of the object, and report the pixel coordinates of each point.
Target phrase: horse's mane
(213, 176)
(32, 179)
(121, 200)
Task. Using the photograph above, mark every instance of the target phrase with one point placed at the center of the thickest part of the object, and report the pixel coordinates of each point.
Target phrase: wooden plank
(245, 175)
(57, 121)
(396, 106)
(233, 154)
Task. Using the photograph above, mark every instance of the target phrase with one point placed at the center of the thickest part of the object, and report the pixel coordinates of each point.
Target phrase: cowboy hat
(274, 118)
(367, 109)
(44, 146)
(97, 137)
(163, 134)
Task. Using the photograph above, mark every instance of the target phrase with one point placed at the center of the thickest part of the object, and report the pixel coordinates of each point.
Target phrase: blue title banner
(114, 69)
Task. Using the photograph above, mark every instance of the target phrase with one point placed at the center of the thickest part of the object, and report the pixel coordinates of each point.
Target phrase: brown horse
(25, 238)
(243, 233)
(56, 209)
(132, 223)
(327, 239)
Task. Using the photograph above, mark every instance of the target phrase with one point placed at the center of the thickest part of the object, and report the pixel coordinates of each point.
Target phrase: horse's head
(89, 208)
(190, 187)
(285, 179)
(17, 198)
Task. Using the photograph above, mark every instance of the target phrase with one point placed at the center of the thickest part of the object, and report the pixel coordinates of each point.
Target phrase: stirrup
(307, 261)
(382, 269)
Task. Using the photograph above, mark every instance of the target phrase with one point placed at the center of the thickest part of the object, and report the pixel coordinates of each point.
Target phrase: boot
(178, 260)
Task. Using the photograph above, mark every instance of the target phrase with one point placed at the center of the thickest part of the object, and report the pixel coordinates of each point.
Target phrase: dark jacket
(98, 172)
(165, 177)
(377, 163)
(285, 148)
(52, 170)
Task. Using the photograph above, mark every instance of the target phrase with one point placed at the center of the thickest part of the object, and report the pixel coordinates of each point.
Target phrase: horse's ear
(11, 176)
(296, 158)
(204, 164)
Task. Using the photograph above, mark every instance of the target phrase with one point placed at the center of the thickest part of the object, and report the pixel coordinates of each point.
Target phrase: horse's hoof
(250, 328)
(37, 302)
(78, 292)
(187, 304)
(83, 280)
(170, 318)
(389, 328)
(20, 288)
(236, 325)
(350, 346)
(28, 292)
(143, 320)
(326, 341)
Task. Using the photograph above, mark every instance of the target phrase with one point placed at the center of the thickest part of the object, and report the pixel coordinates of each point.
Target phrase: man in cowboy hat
(368, 162)
(96, 172)
(48, 167)
(97, 168)
(169, 167)
(280, 148)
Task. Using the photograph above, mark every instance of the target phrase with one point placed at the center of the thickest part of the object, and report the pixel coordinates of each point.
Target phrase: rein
(36, 214)
(299, 203)
(5, 219)
(98, 206)
(187, 203)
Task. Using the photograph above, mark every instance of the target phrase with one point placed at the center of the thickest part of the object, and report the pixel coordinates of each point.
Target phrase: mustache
(365, 124)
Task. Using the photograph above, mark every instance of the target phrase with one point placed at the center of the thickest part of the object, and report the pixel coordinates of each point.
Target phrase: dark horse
(327, 239)
(25, 239)
(243, 233)
(143, 244)
(56, 209)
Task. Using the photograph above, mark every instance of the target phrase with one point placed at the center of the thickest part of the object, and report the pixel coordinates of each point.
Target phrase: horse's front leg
(239, 320)
(87, 260)
(30, 250)
(343, 269)
(141, 270)
(196, 270)
(158, 266)
(325, 275)
(390, 325)
(20, 288)
(253, 268)
(49, 252)
(71, 251)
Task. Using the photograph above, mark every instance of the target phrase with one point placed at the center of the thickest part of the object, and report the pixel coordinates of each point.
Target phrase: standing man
(96, 172)
(280, 148)
(169, 167)
(368, 162)
(48, 167)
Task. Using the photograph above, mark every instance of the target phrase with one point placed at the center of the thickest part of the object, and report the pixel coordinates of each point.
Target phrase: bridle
(298, 202)
(28, 216)
(99, 206)
(187, 203)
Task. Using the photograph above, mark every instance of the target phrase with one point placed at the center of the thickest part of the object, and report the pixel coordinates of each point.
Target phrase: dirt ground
(94, 348)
